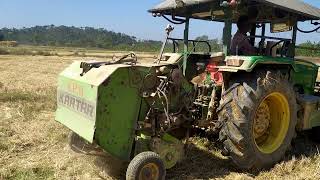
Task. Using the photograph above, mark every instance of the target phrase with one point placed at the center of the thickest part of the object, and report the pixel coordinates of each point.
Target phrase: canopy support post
(185, 45)
(292, 50)
(227, 36)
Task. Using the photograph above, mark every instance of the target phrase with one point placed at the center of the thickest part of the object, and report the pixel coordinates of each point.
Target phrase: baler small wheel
(146, 166)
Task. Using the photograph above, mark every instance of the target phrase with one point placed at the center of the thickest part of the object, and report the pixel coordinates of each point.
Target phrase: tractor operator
(240, 43)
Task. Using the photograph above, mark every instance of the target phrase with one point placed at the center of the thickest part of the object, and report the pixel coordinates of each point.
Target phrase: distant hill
(89, 37)
(76, 37)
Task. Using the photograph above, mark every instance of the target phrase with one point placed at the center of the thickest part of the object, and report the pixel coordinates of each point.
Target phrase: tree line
(86, 37)
(67, 36)
(314, 49)
(89, 37)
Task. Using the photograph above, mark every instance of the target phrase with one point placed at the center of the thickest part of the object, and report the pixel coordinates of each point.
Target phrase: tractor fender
(249, 63)
(303, 73)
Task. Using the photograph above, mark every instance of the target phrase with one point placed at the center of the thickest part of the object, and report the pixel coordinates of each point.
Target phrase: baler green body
(102, 106)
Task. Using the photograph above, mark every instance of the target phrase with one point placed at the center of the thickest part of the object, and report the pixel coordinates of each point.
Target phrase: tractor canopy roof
(266, 10)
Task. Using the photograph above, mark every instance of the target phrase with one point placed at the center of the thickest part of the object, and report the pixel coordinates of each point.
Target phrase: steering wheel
(284, 48)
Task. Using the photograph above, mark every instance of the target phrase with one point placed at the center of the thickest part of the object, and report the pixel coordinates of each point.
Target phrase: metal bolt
(169, 157)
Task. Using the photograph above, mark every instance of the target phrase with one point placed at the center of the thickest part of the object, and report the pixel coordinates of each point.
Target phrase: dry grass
(34, 146)
(64, 51)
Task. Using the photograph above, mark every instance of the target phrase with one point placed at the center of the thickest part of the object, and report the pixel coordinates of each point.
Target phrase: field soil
(34, 146)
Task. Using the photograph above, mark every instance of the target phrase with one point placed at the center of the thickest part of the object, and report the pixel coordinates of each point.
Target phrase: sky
(126, 16)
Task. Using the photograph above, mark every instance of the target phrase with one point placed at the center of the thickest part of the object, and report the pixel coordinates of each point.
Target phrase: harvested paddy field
(34, 146)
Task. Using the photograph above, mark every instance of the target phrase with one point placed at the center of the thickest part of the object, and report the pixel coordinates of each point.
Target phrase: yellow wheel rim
(271, 122)
(149, 171)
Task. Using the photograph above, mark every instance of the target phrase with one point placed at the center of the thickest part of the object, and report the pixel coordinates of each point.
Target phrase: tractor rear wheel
(258, 114)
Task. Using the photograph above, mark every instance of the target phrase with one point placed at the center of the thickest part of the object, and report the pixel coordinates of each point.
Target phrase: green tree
(202, 38)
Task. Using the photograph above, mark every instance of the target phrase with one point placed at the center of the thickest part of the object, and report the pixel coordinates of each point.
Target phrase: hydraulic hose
(311, 31)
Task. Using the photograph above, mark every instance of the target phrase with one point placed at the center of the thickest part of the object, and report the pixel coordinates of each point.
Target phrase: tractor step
(310, 113)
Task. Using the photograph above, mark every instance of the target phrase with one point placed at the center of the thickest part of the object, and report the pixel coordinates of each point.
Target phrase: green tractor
(141, 112)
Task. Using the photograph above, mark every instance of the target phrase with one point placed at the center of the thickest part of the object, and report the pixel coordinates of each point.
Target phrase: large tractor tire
(258, 114)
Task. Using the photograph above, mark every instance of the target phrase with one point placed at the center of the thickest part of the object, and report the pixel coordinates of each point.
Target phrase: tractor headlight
(234, 62)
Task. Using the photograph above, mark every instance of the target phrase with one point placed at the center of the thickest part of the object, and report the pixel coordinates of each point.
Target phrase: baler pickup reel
(130, 58)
